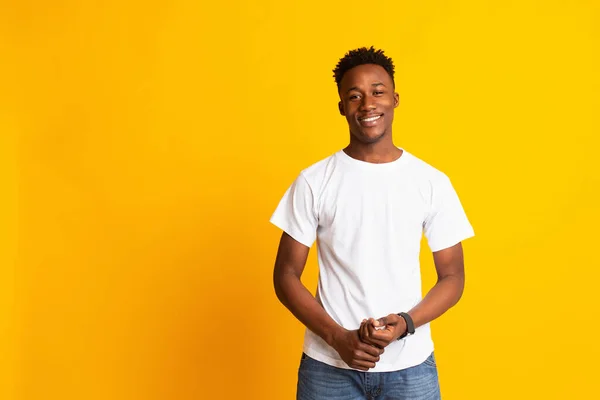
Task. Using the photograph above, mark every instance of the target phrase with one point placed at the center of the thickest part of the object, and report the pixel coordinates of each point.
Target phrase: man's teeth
(371, 119)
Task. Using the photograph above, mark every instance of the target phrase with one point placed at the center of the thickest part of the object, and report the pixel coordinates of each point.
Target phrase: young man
(368, 334)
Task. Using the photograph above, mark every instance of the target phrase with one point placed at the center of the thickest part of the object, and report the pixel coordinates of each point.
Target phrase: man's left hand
(383, 331)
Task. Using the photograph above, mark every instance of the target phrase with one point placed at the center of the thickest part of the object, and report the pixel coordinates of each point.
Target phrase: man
(368, 334)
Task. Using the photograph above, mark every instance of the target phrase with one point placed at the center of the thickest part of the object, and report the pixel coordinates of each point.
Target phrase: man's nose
(368, 103)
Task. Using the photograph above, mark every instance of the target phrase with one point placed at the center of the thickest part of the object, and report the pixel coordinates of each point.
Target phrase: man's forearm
(444, 295)
(302, 304)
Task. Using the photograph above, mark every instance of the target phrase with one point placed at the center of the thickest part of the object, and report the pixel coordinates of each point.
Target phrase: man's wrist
(332, 335)
(403, 327)
(409, 326)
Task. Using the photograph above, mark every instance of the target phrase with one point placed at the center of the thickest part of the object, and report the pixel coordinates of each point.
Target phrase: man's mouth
(370, 119)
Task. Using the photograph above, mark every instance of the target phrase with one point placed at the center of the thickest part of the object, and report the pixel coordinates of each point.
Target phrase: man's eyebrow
(373, 85)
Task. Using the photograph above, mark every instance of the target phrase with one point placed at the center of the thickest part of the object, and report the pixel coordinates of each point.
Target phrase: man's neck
(376, 153)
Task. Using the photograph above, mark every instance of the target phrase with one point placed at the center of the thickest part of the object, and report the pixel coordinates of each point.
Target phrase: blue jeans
(319, 381)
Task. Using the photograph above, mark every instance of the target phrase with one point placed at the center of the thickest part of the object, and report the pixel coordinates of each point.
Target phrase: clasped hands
(361, 348)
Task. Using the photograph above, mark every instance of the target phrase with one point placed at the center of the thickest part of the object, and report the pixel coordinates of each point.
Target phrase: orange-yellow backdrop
(144, 146)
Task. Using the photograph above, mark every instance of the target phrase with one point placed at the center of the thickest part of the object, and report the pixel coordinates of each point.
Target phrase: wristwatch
(410, 326)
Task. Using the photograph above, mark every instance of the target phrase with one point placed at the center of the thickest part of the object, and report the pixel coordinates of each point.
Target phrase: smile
(370, 119)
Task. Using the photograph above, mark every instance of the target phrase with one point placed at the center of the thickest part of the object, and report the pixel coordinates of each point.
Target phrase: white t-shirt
(368, 220)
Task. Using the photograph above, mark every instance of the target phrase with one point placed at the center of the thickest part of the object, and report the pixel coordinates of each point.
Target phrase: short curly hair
(362, 56)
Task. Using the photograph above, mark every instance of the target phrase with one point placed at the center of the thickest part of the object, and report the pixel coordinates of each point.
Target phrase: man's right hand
(354, 352)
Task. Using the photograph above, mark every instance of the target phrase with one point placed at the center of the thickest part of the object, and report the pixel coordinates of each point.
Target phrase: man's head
(365, 81)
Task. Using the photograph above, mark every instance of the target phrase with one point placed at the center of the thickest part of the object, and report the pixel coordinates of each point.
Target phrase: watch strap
(410, 326)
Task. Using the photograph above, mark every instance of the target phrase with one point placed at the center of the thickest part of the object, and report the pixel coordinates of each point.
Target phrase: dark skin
(449, 264)
(289, 265)
(367, 100)
(368, 91)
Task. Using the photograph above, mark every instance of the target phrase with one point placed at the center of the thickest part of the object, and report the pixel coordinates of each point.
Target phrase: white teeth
(372, 118)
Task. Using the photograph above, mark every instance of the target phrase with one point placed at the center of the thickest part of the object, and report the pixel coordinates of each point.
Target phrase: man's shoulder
(319, 169)
(424, 169)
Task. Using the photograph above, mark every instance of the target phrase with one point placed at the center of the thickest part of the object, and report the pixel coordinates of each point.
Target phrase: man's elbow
(280, 280)
(456, 284)
(460, 288)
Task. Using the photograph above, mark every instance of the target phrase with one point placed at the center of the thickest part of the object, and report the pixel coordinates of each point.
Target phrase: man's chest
(353, 210)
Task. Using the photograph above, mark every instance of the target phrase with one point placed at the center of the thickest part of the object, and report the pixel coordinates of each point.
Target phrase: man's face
(367, 100)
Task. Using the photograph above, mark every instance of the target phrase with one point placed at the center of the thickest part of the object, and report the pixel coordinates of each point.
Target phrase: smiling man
(369, 204)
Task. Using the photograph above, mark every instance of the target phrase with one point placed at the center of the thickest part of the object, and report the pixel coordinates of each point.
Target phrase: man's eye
(378, 93)
(354, 97)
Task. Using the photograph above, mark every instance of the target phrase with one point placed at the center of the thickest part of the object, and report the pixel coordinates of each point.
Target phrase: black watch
(410, 326)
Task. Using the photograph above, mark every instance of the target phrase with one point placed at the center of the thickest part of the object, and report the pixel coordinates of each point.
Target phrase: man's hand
(383, 331)
(354, 352)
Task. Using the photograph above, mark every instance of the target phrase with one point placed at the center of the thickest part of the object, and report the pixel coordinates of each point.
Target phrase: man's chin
(369, 137)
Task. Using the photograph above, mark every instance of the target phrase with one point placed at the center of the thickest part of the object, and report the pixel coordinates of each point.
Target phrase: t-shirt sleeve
(447, 223)
(295, 213)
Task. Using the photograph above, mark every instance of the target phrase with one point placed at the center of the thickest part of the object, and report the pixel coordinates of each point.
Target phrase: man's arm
(289, 265)
(449, 264)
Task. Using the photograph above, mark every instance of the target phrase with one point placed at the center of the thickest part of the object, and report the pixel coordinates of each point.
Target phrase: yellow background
(145, 145)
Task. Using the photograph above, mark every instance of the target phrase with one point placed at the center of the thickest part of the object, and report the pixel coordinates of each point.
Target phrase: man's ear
(341, 107)
(396, 100)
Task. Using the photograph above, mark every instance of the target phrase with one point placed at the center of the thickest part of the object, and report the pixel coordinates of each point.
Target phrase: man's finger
(382, 334)
(385, 335)
(363, 365)
(371, 349)
(378, 344)
(364, 332)
(391, 319)
(367, 353)
(371, 328)
(371, 336)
